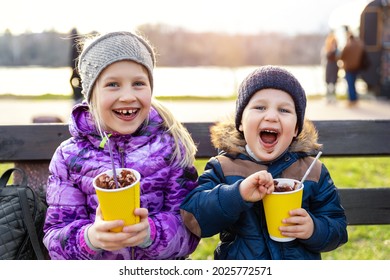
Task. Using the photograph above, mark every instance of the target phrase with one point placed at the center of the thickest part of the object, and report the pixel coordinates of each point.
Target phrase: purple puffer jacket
(72, 199)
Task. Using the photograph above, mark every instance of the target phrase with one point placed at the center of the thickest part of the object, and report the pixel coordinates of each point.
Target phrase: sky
(238, 16)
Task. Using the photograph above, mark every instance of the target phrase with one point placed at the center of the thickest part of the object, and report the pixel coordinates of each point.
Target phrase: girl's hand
(302, 225)
(256, 186)
(100, 236)
(139, 232)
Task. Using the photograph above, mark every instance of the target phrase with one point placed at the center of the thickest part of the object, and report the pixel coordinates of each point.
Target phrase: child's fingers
(142, 212)
(266, 181)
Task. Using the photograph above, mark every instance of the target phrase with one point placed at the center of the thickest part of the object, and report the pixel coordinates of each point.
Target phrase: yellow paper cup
(119, 204)
(276, 208)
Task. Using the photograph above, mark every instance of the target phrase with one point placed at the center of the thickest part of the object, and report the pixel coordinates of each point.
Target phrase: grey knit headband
(110, 48)
(276, 78)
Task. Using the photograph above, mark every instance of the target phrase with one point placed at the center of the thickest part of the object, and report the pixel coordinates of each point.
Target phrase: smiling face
(269, 123)
(123, 97)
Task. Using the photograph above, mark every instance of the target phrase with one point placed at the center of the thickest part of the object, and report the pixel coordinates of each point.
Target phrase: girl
(268, 139)
(117, 80)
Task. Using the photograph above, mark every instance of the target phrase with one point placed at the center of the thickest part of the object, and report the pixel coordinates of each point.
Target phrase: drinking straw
(112, 161)
(309, 169)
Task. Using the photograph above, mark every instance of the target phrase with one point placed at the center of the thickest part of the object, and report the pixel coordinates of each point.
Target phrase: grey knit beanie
(276, 78)
(109, 48)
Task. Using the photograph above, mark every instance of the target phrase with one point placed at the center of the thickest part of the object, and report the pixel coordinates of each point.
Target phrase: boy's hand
(256, 186)
(302, 225)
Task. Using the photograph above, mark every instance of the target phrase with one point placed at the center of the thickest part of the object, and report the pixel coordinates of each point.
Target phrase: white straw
(309, 169)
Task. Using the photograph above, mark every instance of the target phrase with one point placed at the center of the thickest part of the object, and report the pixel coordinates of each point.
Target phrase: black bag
(22, 215)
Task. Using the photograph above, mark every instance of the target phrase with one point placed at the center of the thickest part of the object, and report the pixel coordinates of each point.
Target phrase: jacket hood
(225, 137)
(81, 121)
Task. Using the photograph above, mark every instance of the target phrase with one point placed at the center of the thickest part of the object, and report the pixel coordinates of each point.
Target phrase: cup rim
(288, 192)
(109, 172)
(282, 239)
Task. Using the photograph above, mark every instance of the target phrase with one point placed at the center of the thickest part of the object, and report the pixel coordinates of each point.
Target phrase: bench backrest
(32, 146)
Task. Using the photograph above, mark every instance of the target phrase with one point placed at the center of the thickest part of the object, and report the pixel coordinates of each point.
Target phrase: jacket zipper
(122, 156)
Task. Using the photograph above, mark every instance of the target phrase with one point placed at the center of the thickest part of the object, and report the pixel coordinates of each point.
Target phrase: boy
(268, 139)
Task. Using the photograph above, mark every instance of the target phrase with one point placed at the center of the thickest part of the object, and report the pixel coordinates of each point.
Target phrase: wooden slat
(366, 206)
(340, 138)
(355, 137)
(200, 132)
(31, 142)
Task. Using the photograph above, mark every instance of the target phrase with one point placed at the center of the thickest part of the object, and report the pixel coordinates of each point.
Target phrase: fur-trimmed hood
(224, 136)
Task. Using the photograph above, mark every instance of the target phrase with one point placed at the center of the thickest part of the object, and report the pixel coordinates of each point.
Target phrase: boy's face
(123, 94)
(269, 123)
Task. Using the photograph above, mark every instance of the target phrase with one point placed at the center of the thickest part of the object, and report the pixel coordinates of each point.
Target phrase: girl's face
(123, 96)
(269, 123)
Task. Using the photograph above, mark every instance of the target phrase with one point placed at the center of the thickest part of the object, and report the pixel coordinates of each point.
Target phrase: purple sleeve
(66, 214)
(171, 238)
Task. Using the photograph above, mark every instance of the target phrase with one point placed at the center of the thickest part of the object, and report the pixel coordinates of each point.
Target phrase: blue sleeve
(330, 223)
(213, 205)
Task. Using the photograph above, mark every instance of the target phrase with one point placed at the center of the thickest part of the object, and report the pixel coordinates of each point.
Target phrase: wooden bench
(32, 146)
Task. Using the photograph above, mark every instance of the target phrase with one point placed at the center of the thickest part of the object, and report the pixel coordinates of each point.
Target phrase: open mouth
(126, 114)
(269, 136)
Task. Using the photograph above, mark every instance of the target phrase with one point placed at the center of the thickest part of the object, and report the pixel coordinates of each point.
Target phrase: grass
(365, 242)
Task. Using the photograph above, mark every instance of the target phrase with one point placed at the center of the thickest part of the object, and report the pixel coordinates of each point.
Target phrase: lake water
(169, 81)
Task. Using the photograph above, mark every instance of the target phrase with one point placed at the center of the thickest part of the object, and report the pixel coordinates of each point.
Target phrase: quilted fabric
(14, 239)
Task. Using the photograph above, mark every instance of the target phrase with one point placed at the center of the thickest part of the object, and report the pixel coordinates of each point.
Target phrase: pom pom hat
(276, 78)
(110, 48)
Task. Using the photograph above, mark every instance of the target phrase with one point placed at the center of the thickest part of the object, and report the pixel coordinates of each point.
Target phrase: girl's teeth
(127, 112)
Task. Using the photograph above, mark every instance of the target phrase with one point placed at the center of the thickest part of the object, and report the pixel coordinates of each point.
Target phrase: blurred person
(75, 80)
(351, 57)
(330, 54)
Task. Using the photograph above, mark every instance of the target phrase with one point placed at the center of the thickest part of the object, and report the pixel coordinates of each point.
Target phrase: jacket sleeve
(213, 205)
(330, 223)
(171, 238)
(66, 216)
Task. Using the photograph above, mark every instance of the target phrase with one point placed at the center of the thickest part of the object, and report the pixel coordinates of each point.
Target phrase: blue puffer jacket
(216, 206)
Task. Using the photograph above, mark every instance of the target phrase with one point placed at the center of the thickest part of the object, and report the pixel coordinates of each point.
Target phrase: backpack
(22, 216)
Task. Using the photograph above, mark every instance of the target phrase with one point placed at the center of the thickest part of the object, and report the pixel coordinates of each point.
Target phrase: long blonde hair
(179, 133)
